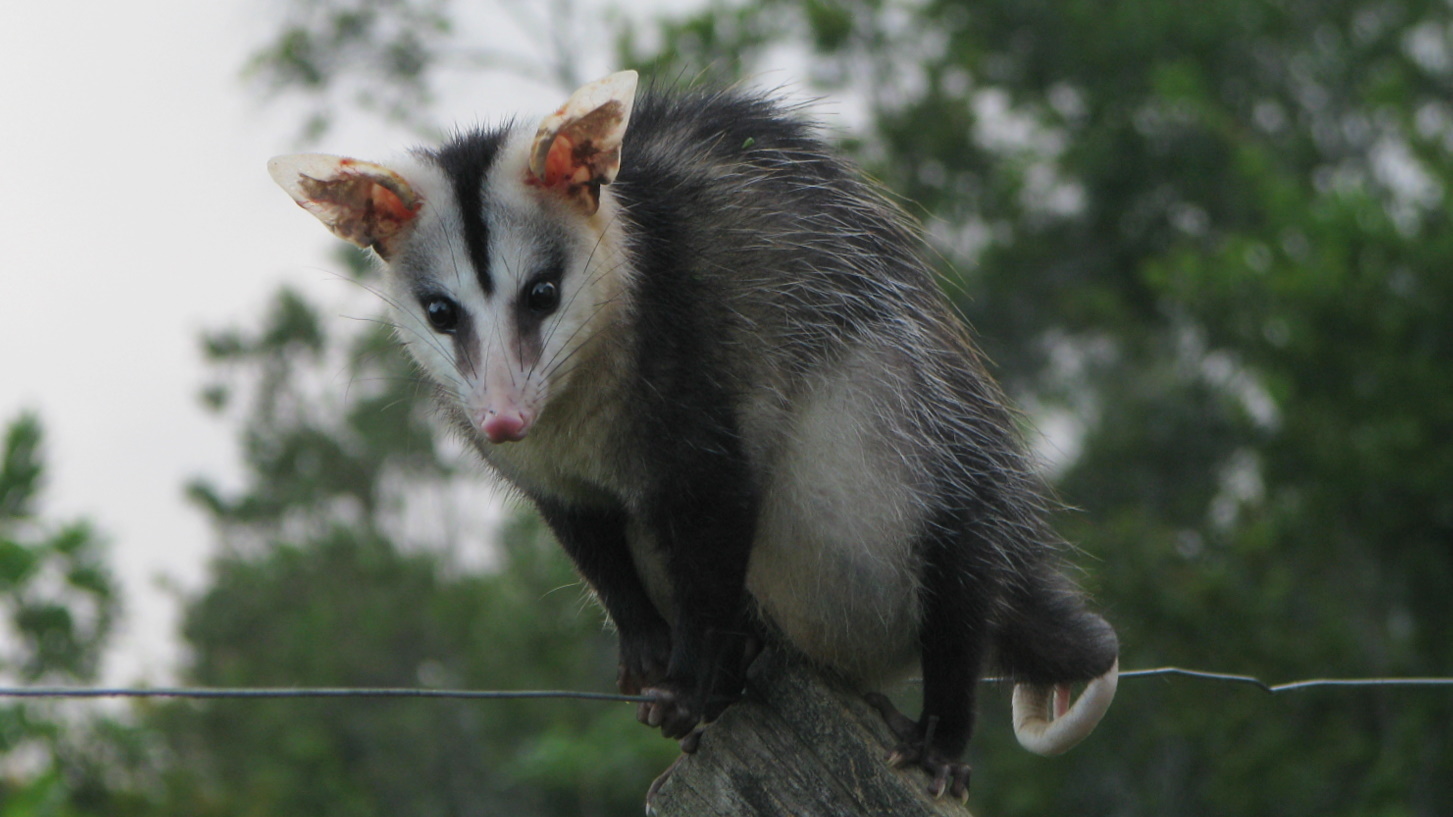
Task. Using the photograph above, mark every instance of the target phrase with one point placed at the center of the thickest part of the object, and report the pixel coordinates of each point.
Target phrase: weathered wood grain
(799, 744)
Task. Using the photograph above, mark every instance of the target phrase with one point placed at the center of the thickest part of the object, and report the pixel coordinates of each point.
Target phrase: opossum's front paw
(916, 747)
(676, 709)
(644, 657)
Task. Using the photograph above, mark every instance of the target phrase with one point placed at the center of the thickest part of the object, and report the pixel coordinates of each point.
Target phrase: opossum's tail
(1047, 641)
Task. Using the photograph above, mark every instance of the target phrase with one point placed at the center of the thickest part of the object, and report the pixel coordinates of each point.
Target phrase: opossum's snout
(506, 425)
(504, 407)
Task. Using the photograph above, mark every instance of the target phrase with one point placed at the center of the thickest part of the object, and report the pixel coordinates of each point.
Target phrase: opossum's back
(735, 201)
(794, 262)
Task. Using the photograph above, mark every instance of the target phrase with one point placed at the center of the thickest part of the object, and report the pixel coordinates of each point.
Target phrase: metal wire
(478, 694)
(305, 692)
(1293, 686)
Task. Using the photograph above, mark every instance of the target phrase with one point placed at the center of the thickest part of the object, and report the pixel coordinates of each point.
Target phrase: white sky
(135, 212)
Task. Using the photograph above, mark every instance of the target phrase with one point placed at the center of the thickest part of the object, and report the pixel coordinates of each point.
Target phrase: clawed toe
(916, 748)
(948, 777)
(676, 714)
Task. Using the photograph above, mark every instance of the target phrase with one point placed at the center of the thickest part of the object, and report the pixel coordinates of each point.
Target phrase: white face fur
(556, 280)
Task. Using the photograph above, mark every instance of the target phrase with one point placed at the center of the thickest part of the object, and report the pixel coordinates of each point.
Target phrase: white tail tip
(1043, 731)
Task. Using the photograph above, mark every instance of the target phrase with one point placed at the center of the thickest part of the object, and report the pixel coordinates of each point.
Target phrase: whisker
(586, 322)
(589, 260)
(429, 337)
(558, 369)
(468, 353)
(454, 260)
(552, 369)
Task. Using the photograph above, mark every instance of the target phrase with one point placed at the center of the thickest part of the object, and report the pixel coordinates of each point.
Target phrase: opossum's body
(730, 384)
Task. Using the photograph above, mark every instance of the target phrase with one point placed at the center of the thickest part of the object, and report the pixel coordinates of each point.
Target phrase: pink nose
(505, 426)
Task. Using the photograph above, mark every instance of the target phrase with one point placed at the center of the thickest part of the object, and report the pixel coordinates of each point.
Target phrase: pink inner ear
(388, 207)
(560, 162)
(569, 171)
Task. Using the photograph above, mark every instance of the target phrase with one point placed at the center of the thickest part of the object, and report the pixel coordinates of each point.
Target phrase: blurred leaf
(20, 469)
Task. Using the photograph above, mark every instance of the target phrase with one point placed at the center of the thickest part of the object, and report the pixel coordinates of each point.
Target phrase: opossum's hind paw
(675, 712)
(915, 747)
(950, 776)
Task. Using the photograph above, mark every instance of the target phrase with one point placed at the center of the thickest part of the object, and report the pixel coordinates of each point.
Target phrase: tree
(58, 602)
(386, 56)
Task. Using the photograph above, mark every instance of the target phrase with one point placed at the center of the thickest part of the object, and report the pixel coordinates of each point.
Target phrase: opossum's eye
(543, 297)
(443, 313)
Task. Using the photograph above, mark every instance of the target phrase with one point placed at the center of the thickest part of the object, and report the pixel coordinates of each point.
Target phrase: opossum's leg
(596, 541)
(954, 639)
(705, 524)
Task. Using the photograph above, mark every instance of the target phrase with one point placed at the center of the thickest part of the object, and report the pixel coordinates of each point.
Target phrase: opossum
(714, 358)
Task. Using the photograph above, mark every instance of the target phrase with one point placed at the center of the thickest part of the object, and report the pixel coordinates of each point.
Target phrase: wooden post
(798, 745)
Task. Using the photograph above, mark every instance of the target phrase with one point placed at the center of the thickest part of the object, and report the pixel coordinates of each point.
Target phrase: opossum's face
(504, 266)
(502, 291)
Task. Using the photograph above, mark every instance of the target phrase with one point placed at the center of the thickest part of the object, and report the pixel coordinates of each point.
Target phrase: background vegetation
(1207, 245)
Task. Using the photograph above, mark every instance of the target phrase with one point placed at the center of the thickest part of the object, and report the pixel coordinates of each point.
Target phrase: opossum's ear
(361, 202)
(578, 148)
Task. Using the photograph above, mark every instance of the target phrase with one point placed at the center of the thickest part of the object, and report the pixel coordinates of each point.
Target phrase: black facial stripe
(466, 160)
(476, 231)
(529, 329)
(466, 348)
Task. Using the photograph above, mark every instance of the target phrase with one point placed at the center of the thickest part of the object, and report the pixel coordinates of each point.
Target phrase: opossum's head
(504, 259)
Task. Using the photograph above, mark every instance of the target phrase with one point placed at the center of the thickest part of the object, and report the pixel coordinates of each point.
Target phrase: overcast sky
(135, 212)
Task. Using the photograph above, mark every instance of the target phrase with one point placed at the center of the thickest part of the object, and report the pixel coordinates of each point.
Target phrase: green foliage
(58, 602)
(388, 46)
(43, 796)
(56, 594)
(348, 610)
(385, 57)
(313, 451)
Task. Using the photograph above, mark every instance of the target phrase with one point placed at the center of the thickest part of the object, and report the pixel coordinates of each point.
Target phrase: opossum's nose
(505, 426)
